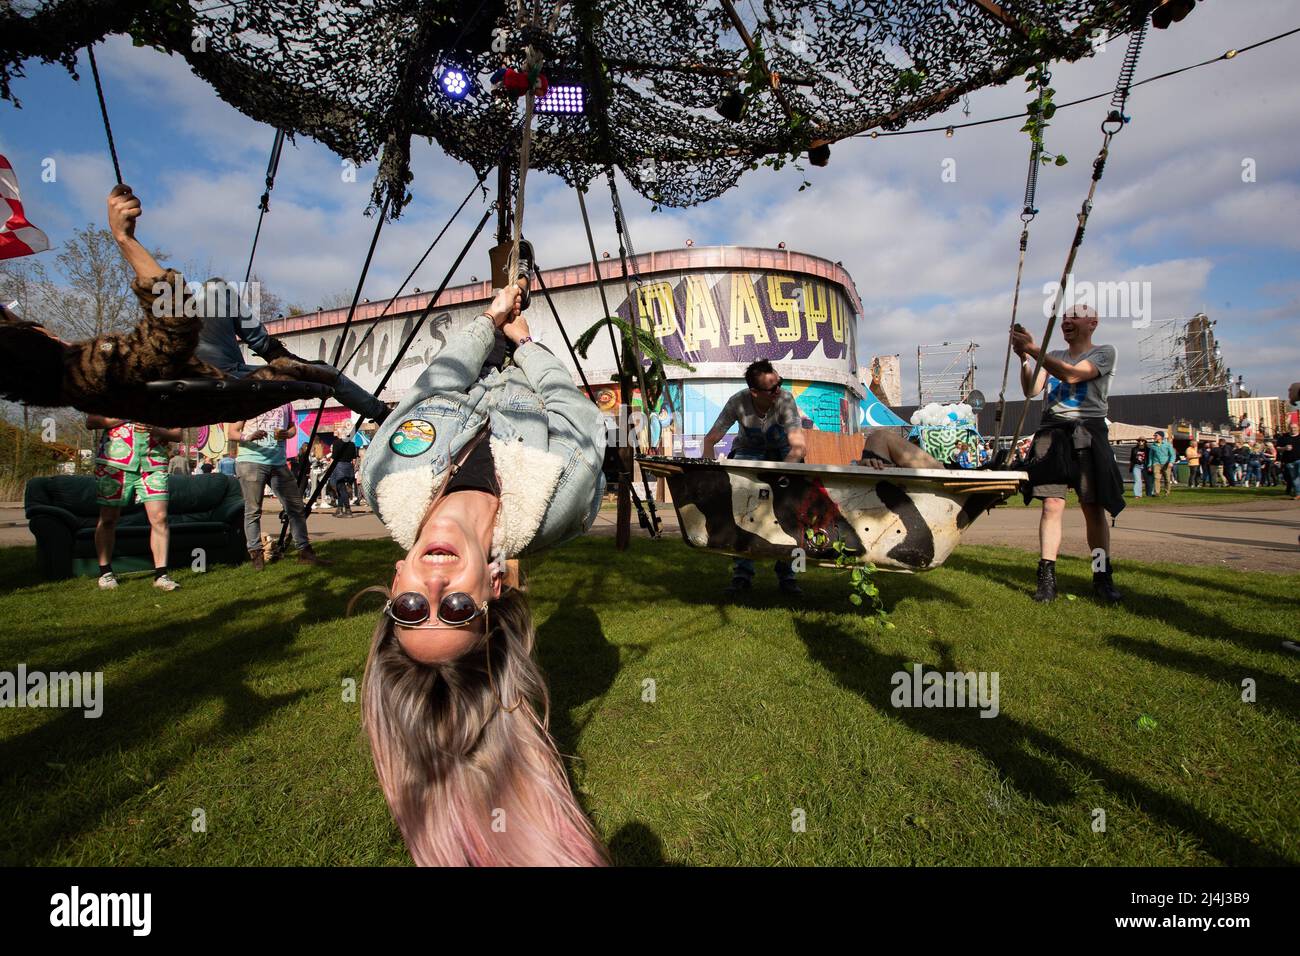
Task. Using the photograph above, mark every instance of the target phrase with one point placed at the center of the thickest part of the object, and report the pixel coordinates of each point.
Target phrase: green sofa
(203, 511)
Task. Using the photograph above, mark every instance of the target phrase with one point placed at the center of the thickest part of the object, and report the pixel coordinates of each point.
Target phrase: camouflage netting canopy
(362, 77)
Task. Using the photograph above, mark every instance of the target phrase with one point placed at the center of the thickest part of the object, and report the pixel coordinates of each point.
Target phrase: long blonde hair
(466, 763)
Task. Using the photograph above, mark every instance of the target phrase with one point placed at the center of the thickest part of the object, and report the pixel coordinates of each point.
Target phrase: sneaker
(525, 271)
(1046, 582)
(107, 581)
(737, 586)
(165, 583)
(790, 586)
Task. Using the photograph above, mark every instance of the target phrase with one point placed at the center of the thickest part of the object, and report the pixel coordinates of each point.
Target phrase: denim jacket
(547, 440)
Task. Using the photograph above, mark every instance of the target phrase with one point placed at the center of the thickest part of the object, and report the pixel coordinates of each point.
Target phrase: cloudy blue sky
(934, 260)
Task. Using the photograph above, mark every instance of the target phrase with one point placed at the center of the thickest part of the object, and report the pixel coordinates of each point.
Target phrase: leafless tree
(337, 300)
(90, 293)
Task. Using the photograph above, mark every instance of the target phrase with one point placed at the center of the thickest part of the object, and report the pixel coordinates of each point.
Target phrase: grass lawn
(227, 697)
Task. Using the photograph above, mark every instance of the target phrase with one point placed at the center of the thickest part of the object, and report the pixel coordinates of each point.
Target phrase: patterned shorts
(115, 488)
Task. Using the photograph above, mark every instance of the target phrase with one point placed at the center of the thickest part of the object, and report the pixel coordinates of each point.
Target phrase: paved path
(1253, 536)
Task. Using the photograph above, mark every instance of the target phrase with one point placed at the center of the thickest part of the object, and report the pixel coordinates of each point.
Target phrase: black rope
(391, 368)
(1112, 124)
(487, 214)
(625, 478)
(568, 344)
(650, 522)
(1027, 215)
(634, 321)
(264, 205)
(411, 274)
(103, 111)
(338, 349)
(600, 285)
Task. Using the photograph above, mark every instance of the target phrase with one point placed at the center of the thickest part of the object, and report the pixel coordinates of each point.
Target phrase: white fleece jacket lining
(528, 478)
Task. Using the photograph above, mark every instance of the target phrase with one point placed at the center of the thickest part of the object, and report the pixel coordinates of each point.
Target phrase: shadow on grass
(652, 574)
(1273, 522)
(19, 569)
(1008, 743)
(1253, 544)
(1271, 586)
(117, 758)
(580, 665)
(1273, 691)
(1136, 601)
(635, 844)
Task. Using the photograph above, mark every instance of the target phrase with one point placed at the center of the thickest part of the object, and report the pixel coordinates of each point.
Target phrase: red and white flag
(18, 237)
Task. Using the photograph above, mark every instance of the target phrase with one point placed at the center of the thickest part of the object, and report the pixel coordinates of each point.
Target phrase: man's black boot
(1103, 585)
(739, 585)
(1046, 581)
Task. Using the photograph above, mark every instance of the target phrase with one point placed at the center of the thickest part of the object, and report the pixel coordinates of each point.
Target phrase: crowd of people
(1219, 463)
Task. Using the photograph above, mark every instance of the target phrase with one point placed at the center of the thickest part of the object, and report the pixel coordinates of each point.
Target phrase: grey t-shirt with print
(1081, 399)
(759, 433)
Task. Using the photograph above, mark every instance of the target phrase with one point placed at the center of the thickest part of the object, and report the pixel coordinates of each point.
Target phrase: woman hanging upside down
(108, 375)
(481, 462)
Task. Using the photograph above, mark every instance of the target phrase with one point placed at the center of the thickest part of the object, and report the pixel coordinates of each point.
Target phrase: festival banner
(743, 317)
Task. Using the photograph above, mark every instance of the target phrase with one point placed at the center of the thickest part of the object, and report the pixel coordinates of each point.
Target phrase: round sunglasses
(412, 609)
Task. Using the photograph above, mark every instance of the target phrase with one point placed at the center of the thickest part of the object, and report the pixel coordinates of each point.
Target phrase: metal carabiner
(1116, 117)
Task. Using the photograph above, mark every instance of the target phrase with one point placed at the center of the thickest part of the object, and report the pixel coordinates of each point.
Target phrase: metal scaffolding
(950, 376)
(1182, 355)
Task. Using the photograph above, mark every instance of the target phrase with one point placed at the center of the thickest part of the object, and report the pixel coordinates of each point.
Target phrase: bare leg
(1094, 517)
(106, 534)
(1049, 528)
(159, 535)
(894, 448)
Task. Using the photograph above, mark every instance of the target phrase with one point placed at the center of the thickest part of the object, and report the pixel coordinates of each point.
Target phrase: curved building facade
(714, 308)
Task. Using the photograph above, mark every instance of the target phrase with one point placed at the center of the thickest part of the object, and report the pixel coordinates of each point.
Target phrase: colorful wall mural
(825, 407)
(664, 431)
(210, 441)
(307, 417)
(829, 407)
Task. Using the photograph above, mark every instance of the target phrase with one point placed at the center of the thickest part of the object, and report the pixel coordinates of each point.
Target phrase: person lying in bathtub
(484, 460)
(885, 447)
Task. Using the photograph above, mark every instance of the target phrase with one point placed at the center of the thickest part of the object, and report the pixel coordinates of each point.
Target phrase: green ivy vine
(863, 591)
(1041, 109)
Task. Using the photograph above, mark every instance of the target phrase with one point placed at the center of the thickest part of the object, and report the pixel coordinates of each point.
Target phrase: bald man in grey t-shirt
(1077, 385)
